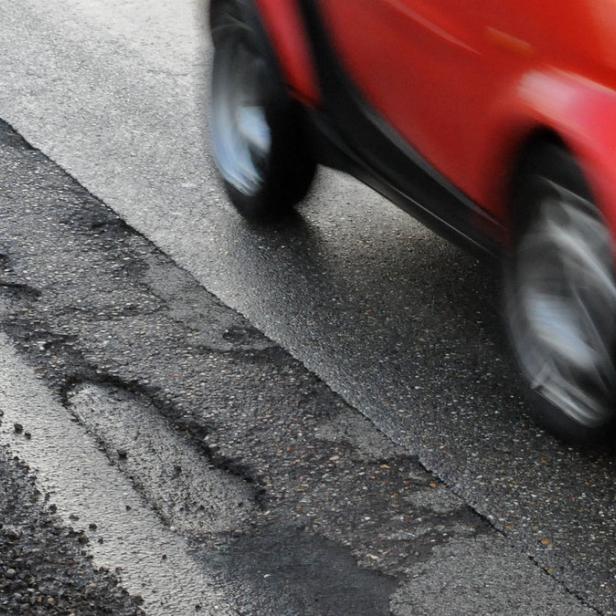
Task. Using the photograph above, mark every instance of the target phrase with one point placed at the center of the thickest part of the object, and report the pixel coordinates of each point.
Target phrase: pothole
(189, 492)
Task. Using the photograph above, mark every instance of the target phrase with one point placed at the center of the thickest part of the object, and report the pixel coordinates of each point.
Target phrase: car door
(424, 66)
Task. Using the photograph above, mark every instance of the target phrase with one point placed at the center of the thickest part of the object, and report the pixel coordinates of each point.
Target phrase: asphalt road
(402, 325)
(163, 438)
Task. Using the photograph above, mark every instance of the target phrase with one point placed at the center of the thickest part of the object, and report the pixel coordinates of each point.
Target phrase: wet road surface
(402, 325)
(195, 458)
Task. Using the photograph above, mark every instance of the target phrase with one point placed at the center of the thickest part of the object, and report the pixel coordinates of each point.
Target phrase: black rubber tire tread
(553, 162)
(291, 167)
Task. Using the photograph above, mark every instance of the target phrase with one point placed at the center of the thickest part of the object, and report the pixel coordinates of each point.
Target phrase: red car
(493, 122)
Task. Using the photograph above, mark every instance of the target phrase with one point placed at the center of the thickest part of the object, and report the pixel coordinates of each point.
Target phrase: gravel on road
(45, 567)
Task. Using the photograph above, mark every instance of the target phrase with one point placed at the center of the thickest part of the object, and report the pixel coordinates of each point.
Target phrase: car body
(518, 71)
(447, 108)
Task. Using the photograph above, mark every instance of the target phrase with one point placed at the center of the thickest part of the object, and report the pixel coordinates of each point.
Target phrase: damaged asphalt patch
(188, 492)
(294, 501)
(112, 522)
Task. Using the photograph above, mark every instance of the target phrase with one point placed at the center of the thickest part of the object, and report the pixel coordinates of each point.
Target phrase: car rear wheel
(560, 292)
(259, 135)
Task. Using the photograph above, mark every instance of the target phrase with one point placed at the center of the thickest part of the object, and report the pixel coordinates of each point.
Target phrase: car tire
(560, 299)
(259, 133)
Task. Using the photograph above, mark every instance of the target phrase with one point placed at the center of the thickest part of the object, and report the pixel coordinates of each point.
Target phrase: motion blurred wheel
(560, 292)
(259, 136)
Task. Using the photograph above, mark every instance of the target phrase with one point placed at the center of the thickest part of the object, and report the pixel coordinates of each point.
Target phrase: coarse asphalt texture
(45, 567)
(290, 500)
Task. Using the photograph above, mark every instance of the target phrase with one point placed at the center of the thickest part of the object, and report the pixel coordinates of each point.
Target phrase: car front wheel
(259, 135)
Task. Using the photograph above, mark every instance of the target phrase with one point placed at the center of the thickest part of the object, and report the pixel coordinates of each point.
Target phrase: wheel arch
(552, 108)
(525, 155)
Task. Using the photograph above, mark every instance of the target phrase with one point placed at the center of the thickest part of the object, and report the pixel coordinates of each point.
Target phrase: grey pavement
(401, 325)
(197, 460)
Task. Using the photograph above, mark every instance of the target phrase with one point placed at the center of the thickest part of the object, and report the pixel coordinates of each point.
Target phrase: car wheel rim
(240, 130)
(566, 306)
